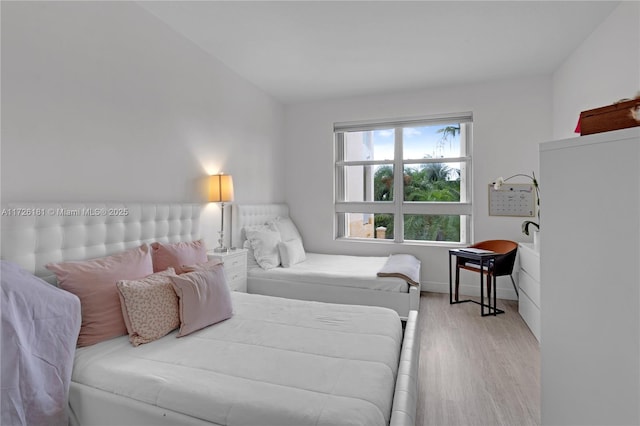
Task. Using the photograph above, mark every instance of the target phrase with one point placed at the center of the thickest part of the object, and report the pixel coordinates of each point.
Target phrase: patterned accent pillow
(251, 256)
(149, 307)
(265, 247)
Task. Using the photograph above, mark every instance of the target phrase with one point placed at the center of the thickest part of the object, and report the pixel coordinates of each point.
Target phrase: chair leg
(457, 282)
(514, 286)
(489, 286)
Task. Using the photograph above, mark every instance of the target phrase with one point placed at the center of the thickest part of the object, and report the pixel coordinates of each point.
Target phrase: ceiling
(300, 51)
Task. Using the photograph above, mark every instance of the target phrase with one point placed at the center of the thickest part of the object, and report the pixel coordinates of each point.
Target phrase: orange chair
(503, 265)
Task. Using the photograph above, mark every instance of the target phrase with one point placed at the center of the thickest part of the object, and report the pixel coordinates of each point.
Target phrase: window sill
(442, 244)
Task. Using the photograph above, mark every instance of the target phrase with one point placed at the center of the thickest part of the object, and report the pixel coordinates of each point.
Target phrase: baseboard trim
(469, 290)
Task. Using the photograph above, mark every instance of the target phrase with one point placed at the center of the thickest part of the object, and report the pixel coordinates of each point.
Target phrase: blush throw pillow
(291, 252)
(149, 307)
(209, 264)
(205, 299)
(94, 282)
(265, 247)
(175, 255)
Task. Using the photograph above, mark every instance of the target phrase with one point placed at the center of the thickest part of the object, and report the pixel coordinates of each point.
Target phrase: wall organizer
(518, 199)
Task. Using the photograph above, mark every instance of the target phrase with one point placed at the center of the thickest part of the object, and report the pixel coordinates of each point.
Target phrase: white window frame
(398, 207)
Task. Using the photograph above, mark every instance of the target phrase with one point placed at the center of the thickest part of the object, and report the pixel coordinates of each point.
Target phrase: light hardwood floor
(476, 370)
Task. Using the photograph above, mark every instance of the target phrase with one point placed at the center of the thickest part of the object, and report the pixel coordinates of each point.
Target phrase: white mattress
(275, 362)
(335, 270)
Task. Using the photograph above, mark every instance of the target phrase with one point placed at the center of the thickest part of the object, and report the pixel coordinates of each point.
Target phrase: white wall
(510, 119)
(604, 69)
(101, 101)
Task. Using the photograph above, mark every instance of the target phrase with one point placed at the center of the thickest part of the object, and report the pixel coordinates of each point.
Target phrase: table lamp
(221, 191)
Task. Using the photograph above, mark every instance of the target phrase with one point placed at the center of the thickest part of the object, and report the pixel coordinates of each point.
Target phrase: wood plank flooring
(476, 370)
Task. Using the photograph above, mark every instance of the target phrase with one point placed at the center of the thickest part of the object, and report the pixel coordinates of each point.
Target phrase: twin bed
(323, 277)
(276, 361)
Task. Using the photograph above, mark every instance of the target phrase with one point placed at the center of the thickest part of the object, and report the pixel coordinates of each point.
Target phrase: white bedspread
(275, 362)
(336, 270)
(40, 326)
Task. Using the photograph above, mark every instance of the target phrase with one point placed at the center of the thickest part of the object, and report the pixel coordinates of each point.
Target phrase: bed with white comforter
(323, 277)
(275, 362)
(335, 270)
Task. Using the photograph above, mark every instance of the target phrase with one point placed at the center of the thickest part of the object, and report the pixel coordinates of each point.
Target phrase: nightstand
(235, 267)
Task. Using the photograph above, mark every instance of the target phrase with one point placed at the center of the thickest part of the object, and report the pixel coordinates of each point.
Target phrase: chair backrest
(503, 265)
(498, 246)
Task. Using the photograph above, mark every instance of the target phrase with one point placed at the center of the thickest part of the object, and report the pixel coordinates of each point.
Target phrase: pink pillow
(149, 307)
(177, 254)
(94, 282)
(204, 299)
(209, 264)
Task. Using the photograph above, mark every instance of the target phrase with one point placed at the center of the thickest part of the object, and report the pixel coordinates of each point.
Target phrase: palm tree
(437, 171)
(450, 131)
(383, 184)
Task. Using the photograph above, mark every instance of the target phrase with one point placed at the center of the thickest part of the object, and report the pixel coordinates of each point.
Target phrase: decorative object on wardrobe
(622, 114)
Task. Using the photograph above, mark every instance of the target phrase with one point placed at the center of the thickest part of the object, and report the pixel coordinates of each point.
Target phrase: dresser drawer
(235, 268)
(236, 279)
(235, 261)
(530, 262)
(529, 286)
(235, 272)
(529, 282)
(530, 313)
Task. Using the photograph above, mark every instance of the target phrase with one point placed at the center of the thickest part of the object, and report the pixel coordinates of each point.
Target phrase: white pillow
(251, 257)
(265, 247)
(286, 227)
(291, 252)
(245, 229)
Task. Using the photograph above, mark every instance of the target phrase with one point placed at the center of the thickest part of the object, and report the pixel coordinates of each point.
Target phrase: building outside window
(405, 180)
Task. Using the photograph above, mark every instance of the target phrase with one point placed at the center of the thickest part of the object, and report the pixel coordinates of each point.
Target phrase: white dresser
(235, 268)
(529, 283)
(589, 257)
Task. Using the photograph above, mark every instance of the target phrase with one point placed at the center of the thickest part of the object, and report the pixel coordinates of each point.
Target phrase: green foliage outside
(434, 182)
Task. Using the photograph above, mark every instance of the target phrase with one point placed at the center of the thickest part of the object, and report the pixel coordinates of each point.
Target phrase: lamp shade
(220, 188)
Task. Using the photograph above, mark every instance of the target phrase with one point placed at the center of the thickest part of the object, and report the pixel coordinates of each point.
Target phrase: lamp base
(220, 250)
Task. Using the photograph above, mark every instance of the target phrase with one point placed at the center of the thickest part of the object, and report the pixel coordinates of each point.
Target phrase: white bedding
(275, 362)
(336, 270)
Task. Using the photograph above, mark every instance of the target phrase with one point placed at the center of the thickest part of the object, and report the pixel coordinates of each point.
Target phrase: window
(404, 180)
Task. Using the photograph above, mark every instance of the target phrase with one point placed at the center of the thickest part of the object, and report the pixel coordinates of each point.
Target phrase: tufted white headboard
(34, 234)
(253, 214)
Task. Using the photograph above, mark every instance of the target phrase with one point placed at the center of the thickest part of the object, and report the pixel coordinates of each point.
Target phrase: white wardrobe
(590, 267)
